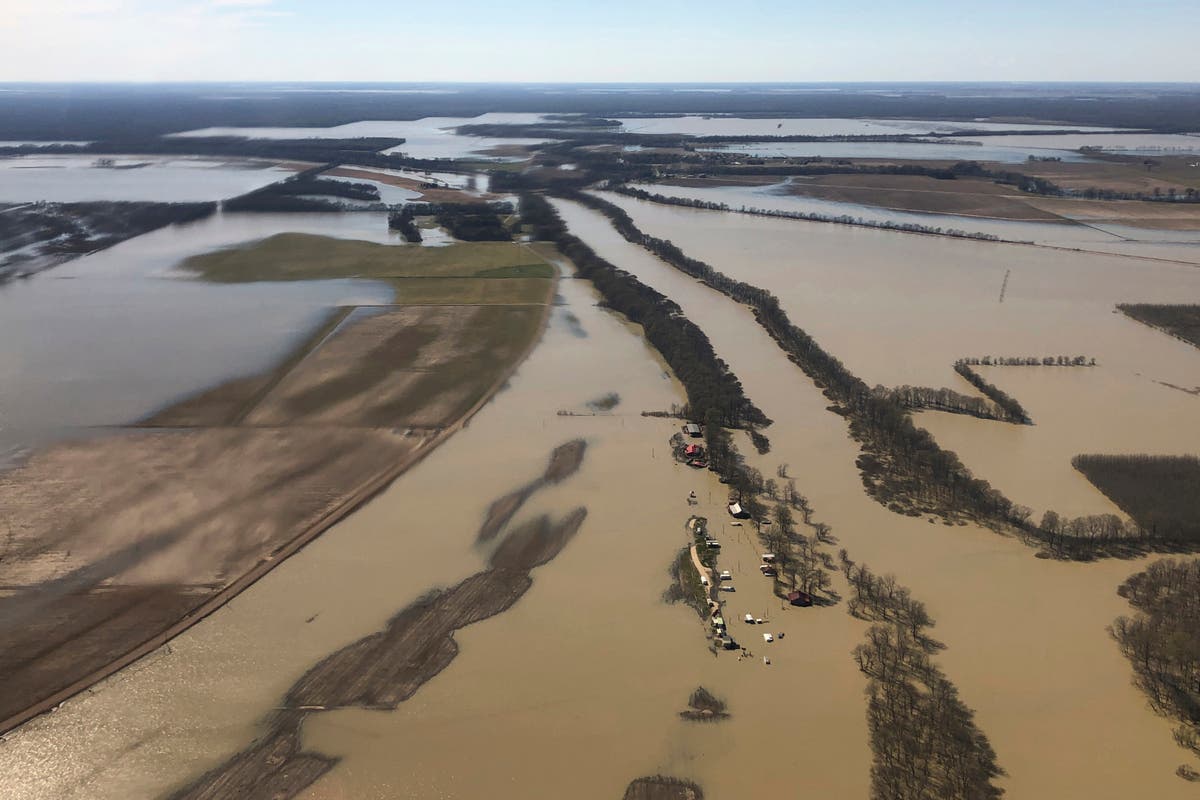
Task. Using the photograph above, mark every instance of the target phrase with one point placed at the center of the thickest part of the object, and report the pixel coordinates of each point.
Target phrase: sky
(599, 40)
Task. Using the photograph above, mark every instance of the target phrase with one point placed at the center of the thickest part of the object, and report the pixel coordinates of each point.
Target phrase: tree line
(902, 465)
(1027, 361)
(472, 222)
(304, 192)
(924, 740)
(1162, 642)
(807, 216)
(1012, 409)
(943, 399)
(713, 391)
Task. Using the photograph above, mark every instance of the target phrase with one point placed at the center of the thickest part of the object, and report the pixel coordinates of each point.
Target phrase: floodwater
(1174, 142)
(429, 137)
(1026, 639)
(1120, 239)
(109, 338)
(76, 179)
(907, 150)
(693, 125)
(589, 661)
(900, 309)
(574, 691)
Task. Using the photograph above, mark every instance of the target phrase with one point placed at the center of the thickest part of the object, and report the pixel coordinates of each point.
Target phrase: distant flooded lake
(111, 337)
(692, 125)
(431, 137)
(906, 150)
(76, 178)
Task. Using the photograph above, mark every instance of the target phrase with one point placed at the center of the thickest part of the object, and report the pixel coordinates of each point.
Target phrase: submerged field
(95, 569)
(503, 621)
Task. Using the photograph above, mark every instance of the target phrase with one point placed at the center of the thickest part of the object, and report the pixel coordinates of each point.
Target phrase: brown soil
(919, 193)
(661, 787)
(107, 542)
(110, 546)
(537, 542)
(410, 366)
(1120, 173)
(564, 462)
(1140, 213)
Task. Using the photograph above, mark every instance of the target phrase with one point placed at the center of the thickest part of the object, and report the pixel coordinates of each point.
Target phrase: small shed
(693, 430)
(737, 512)
(800, 598)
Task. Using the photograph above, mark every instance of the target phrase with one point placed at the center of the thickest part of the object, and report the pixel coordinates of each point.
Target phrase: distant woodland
(108, 111)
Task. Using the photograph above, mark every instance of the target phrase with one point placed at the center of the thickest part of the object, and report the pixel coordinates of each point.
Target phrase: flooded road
(899, 309)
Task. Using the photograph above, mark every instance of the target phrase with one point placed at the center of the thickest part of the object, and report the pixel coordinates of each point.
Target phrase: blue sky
(618, 40)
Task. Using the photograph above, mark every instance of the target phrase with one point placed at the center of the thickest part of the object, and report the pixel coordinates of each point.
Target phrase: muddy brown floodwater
(575, 691)
(1026, 638)
(900, 309)
(589, 657)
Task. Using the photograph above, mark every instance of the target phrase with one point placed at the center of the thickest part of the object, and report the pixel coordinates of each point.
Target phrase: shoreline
(348, 505)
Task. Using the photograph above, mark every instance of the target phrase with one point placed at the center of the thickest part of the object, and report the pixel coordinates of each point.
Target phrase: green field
(302, 257)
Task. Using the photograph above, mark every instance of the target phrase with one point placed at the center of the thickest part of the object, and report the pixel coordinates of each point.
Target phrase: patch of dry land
(112, 545)
(962, 196)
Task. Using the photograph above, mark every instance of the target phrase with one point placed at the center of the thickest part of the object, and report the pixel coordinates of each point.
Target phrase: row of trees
(902, 465)
(807, 216)
(924, 739)
(924, 397)
(1028, 361)
(1008, 404)
(904, 468)
(714, 392)
(1162, 642)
